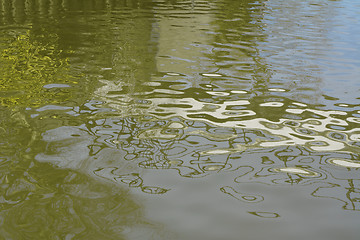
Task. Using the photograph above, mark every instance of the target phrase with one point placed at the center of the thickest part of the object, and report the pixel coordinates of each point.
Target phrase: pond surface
(167, 119)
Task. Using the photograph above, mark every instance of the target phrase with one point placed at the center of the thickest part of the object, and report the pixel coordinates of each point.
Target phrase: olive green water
(180, 120)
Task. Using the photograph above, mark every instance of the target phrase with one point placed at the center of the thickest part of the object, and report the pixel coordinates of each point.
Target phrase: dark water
(219, 119)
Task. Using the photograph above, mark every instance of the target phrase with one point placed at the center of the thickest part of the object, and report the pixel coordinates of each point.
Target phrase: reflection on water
(179, 119)
(255, 155)
(40, 201)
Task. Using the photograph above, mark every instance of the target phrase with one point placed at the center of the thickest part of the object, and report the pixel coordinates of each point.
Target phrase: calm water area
(180, 119)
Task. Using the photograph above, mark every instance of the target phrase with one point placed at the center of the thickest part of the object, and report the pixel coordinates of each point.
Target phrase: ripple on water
(353, 119)
(355, 137)
(265, 214)
(272, 104)
(244, 197)
(276, 90)
(211, 75)
(173, 74)
(239, 91)
(179, 73)
(216, 151)
(345, 163)
(152, 84)
(297, 170)
(218, 93)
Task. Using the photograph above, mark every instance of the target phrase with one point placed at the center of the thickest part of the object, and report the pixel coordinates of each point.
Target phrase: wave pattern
(307, 152)
(201, 109)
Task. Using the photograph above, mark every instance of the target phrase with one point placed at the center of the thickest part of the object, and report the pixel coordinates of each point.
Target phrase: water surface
(179, 120)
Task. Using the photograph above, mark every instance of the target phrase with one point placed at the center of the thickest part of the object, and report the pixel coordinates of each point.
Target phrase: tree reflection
(41, 68)
(28, 65)
(71, 206)
(39, 200)
(119, 46)
(65, 167)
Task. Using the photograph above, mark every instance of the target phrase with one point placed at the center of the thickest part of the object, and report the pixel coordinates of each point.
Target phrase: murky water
(152, 119)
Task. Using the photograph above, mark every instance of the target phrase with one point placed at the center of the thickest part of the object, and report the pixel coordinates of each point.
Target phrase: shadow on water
(40, 201)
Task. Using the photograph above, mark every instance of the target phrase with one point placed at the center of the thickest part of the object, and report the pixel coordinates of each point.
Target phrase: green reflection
(57, 204)
(172, 95)
(39, 65)
(28, 65)
(40, 201)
